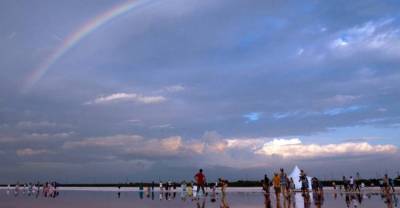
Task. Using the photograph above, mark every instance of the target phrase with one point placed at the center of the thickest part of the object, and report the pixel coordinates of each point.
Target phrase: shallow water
(243, 198)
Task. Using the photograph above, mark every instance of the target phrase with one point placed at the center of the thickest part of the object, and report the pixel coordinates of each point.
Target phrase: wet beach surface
(243, 198)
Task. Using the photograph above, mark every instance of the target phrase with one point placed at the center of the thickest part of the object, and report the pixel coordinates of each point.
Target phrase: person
(277, 186)
(190, 190)
(345, 184)
(161, 186)
(8, 189)
(265, 184)
(304, 182)
(166, 186)
(351, 188)
(200, 180)
(314, 184)
(292, 186)
(223, 184)
(391, 182)
(213, 195)
(183, 186)
(385, 184)
(152, 186)
(334, 185)
(284, 182)
(358, 182)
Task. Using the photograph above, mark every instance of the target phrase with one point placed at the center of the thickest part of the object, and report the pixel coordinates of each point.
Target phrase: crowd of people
(47, 189)
(193, 190)
(283, 186)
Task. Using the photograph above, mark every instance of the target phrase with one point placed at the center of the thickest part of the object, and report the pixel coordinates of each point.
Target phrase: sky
(142, 90)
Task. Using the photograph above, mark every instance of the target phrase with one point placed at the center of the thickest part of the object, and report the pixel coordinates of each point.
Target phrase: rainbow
(75, 37)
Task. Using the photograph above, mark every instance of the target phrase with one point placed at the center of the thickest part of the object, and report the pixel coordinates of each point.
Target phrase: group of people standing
(285, 185)
(193, 190)
(352, 184)
(48, 189)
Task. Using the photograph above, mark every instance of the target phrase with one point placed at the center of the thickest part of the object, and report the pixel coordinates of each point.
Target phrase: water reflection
(211, 199)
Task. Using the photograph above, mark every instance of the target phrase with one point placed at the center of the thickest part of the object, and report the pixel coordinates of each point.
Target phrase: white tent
(296, 177)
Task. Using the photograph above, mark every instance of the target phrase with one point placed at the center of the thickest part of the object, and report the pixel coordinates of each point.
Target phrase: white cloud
(132, 97)
(211, 145)
(245, 143)
(132, 144)
(31, 152)
(295, 148)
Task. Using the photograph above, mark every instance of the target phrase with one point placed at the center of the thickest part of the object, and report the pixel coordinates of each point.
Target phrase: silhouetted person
(200, 180)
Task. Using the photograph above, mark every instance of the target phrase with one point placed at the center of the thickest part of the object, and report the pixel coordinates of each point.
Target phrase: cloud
(132, 145)
(34, 124)
(371, 35)
(340, 99)
(42, 136)
(31, 152)
(245, 143)
(338, 111)
(127, 97)
(327, 112)
(36, 137)
(174, 88)
(252, 116)
(162, 126)
(295, 148)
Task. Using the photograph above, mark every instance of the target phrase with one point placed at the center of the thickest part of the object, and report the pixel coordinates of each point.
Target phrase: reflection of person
(200, 180)
(267, 201)
(203, 204)
(224, 203)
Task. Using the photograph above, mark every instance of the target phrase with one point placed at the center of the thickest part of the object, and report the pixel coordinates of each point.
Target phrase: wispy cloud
(338, 111)
(369, 36)
(31, 152)
(35, 124)
(174, 88)
(340, 99)
(252, 116)
(127, 97)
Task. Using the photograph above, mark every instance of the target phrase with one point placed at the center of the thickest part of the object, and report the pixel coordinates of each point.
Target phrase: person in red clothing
(200, 180)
